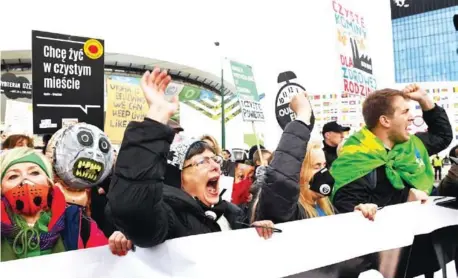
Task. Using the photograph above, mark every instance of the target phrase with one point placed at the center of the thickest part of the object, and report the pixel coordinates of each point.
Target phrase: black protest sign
(15, 87)
(67, 79)
(287, 91)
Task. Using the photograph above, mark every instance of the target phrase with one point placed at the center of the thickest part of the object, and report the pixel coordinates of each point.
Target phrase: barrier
(302, 246)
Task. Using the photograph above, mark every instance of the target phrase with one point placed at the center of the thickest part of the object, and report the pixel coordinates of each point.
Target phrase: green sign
(189, 93)
(244, 81)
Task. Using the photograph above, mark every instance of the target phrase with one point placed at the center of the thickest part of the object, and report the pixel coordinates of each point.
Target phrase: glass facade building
(425, 40)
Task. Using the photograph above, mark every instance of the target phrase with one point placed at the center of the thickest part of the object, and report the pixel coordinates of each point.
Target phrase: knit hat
(30, 156)
(179, 149)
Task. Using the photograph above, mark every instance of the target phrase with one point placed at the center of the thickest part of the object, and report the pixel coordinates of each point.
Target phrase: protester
(46, 139)
(382, 163)
(34, 216)
(437, 164)
(297, 182)
(266, 154)
(449, 185)
(82, 157)
(142, 207)
(228, 167)
(333, 135)
(243, 180)
(226, 155)
(213, 143)
(252, 150)
(18, 140)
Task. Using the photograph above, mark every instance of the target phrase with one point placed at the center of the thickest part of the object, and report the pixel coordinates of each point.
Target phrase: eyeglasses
(206, 161)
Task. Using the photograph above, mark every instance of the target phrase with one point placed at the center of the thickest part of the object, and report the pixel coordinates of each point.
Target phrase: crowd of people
(78, 192)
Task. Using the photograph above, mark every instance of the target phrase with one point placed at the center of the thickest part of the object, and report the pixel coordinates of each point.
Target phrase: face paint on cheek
(28, 199)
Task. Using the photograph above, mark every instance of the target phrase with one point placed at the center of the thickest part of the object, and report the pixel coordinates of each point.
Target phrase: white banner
(251, 110)
(18, 118)
(238, 253)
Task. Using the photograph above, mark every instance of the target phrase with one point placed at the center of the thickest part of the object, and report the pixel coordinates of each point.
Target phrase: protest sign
(125, 103)
(67, 80)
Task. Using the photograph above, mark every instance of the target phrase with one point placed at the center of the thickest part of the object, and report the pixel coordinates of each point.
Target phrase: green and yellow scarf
(363, 152)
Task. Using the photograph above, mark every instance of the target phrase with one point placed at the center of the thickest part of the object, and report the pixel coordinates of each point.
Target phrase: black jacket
(141, 206)
(330, 154)
(376, 188)
(449, 185)
(279, 196)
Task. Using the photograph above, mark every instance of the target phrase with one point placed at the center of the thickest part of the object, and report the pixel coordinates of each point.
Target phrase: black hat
(334, 127)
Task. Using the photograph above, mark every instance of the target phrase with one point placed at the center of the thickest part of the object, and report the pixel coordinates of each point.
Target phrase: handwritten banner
(125, 103)
(355, 61)
(353, 49)
(394, 227)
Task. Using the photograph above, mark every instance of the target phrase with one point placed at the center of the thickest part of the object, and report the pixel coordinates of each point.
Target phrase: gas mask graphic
(322, 182)
(28, 198)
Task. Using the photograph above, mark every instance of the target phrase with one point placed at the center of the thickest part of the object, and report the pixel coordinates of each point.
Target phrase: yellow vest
(437, 162)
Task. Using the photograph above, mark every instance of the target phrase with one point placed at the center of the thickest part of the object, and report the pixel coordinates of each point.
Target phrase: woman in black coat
(145, 210)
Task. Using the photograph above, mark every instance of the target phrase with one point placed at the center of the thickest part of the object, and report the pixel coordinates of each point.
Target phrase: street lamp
(223, 117)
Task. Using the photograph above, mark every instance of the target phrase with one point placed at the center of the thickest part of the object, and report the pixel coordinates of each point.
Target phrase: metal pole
(257, 143)
(223, 117)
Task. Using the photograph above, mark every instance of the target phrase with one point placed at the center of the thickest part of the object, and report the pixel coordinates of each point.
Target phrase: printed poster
(67, 80)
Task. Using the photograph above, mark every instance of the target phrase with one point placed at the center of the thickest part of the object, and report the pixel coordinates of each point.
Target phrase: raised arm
(278, 200)
(439, 134)
(135, 203)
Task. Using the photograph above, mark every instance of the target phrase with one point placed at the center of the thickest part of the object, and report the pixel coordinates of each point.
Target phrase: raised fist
(300, 104)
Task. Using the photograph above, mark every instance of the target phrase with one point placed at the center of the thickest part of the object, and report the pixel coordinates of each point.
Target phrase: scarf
(363, 152)
(29, 241)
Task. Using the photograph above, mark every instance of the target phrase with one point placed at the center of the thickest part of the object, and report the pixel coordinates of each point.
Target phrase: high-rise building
(425, 40)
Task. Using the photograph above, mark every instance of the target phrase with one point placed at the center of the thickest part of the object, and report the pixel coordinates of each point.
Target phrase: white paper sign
(251, 110)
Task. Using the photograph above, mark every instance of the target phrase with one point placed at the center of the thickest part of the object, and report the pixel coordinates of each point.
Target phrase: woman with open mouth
(147, 211)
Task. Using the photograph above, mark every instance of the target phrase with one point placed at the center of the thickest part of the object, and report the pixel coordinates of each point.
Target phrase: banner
(15, 87)
(18, 118)
(305, 245)
(244, 81)
(251, 110)
(125, 103)
(354, 52)
(67, 80)
(247, 92)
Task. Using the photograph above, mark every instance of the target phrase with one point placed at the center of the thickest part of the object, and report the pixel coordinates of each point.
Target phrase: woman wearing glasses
(141, 206)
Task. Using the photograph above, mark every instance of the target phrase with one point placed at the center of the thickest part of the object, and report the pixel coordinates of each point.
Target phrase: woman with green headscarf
(33, 210)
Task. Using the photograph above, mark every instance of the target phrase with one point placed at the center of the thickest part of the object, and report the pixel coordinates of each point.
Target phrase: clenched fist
(300, 104)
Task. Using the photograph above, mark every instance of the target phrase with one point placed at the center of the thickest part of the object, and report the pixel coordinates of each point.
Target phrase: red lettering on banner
(346, 61)
(345, 85)
(356, 88)
(350, 15)
(335, 6)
